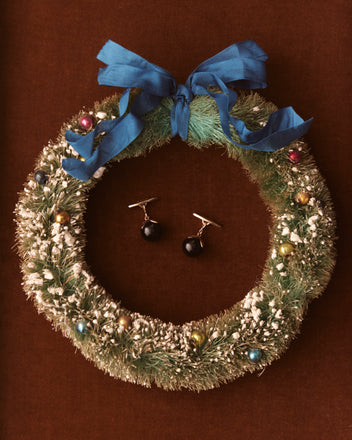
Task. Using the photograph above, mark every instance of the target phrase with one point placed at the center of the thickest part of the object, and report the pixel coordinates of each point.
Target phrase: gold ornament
(285, 249)
(302, 198)
(125, 322)
(82, 159)
(198, 338)
(62, 217)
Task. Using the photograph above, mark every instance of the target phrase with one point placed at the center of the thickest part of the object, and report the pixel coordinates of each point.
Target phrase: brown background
(49, 73)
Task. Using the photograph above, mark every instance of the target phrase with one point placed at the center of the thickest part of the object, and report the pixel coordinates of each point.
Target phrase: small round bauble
(41, 177)
(62, 217)
(294, 156)
(302, 198)
(81, 327)
(254, 355)
(86, 122)
(285, 249)
(125, 322)
(192, 246)
(151, 230)
(198, 338)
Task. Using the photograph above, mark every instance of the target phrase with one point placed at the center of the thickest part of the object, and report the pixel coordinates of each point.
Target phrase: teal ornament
(81, 327)
(255, 355)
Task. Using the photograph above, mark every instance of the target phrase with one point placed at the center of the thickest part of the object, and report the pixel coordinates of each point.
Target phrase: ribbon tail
(123, 134)
(82, 144)
(124, 100)
(144, 103)
(179, 118)
(282, 128)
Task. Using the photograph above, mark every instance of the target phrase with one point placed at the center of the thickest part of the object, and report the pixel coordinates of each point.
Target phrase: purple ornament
(294, 156)
(86, 122)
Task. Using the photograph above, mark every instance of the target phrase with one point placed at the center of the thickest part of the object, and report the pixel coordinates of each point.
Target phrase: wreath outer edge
(246, 337)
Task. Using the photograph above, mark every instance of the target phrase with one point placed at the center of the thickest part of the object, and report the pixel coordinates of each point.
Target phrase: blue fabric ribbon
(240, 65)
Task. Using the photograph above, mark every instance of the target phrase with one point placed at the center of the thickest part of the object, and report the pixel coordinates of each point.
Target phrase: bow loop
(127, 69)
(239, 65)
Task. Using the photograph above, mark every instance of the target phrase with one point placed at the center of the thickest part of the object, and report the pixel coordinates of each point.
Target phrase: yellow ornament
(62, 217)
(285, 249)
(302, 198)
(198, 338)
(125, 322)
(82, 159)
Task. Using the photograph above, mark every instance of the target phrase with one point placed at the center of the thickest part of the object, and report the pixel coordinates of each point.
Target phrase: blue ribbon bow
(240, 65)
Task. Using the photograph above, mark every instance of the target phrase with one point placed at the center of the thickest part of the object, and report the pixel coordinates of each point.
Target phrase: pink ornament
(86, 122)
(294, 156)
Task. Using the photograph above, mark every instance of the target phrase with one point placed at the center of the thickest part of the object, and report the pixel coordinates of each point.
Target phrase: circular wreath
(197, 355)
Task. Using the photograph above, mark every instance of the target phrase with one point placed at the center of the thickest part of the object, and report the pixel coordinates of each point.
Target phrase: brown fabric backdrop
(49, 73)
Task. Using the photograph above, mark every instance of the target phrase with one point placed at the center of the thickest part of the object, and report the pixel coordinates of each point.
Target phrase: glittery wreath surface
(246, 337)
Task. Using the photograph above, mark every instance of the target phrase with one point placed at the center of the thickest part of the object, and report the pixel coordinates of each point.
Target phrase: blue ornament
(255, 355)
(40, 177)
(81, 327)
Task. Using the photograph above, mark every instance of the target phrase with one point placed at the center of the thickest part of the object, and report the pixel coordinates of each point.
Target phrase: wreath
(51, 240)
